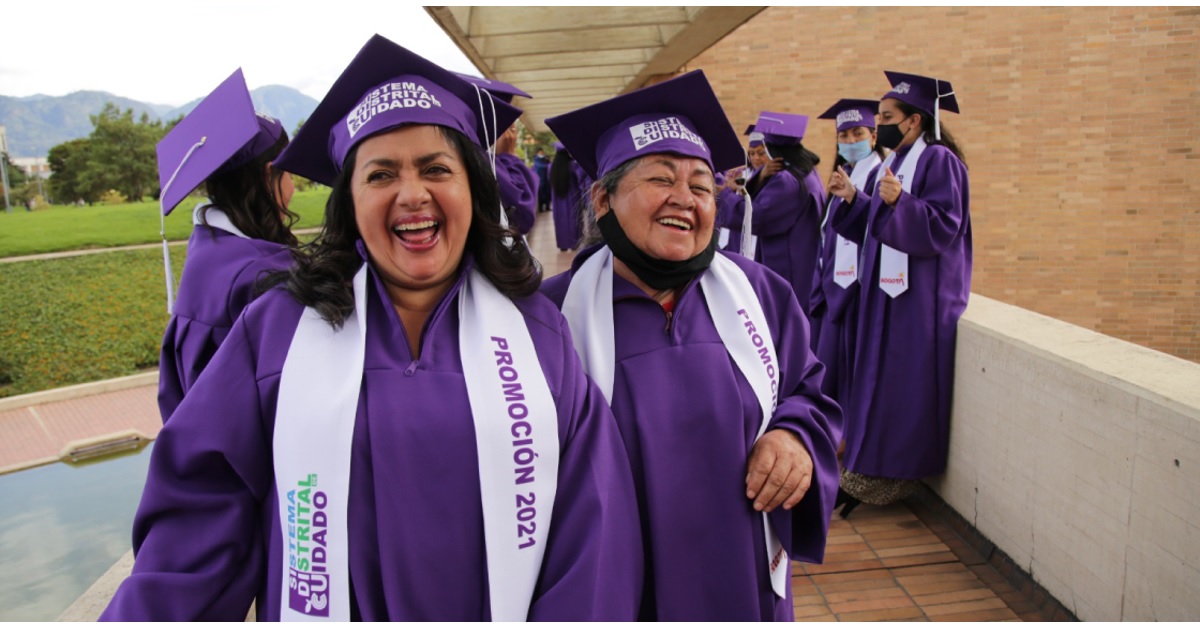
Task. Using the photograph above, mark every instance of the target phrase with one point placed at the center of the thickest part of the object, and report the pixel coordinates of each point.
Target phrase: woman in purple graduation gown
(787, 197)
(242, 230)
(338, 461)
(912, 223)
(833, 304)
(705, 359)
(568, 186)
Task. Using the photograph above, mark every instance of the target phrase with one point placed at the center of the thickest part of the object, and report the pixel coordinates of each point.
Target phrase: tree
(121, 153)
(67, 162)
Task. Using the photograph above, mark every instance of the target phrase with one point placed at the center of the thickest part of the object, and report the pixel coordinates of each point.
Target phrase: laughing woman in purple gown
(705, 359)
(402, 431)
(912, 223)
(241, 231)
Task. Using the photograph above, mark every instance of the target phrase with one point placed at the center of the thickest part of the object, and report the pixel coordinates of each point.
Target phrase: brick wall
(1080, 128)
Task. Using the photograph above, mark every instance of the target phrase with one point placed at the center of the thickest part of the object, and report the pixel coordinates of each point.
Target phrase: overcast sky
(169, 52)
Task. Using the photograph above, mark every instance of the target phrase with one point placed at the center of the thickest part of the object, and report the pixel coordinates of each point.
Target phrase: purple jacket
(689, 419)
(207, 535)
(218, 282)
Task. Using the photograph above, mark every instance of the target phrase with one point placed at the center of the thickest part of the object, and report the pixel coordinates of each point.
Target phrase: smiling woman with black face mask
(911, 222)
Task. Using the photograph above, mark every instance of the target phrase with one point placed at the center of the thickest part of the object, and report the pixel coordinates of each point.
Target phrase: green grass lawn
(63, 228)
(75, 320)
(80, 319)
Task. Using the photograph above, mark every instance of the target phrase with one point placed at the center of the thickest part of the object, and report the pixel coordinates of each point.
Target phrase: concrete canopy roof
(571, 57)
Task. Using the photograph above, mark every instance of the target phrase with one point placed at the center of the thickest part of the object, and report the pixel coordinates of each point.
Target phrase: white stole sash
(845, 253)
(723, 237)
(893, 264)
(739, 319)
(516, 437)
(314, 428)
(215, 218)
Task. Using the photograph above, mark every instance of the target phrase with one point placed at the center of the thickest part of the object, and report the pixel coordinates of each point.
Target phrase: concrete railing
(1078, 455)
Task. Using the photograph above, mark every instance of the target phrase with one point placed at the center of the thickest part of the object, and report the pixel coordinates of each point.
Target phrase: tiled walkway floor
(888, 564)
(882, 564)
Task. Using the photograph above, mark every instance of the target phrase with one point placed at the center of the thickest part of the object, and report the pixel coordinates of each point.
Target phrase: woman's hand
(770, 168)
(779, 472)
(839, 184)
(889, 188)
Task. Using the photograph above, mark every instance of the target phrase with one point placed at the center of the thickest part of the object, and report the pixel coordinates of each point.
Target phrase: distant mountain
(36, 123)
(287, 105)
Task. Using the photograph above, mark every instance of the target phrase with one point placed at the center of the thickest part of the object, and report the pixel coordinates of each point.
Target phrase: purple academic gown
(689, 419)
(218, 282)
(835, 311)
(207, 533)
(788, 226)
(518, 191)
(568, 209)
(898, 420)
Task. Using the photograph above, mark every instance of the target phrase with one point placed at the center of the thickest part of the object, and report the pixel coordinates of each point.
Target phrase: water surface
(61, 528)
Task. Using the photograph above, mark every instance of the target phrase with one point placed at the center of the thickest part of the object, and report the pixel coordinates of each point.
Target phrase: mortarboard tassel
(162, 230)
(937, 108)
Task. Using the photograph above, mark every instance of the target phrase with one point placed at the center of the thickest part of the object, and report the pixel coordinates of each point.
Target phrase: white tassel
(747, 222)
(491, 145)
(170, 278)
(937, 108)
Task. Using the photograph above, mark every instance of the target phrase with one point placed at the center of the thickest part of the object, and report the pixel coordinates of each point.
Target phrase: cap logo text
(387, 97)
(850, 115)
(902, 88)
(651, 131)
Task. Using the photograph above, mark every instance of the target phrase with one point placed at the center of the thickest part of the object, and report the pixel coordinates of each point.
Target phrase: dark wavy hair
(324, 269)
(561, 176)
(249, 196)
(928, 131)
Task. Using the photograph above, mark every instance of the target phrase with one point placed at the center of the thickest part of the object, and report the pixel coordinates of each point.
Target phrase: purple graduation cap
(221, 133)
(780, 128)
(756, 138)
(926, 94)
(384, 87)
(681, 116)
(499, 89)
(852, 112)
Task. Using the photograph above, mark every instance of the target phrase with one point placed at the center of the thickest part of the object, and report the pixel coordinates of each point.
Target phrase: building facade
(1080, 127)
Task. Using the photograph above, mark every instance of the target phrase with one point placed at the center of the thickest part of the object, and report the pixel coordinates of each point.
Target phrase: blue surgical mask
(854, 151)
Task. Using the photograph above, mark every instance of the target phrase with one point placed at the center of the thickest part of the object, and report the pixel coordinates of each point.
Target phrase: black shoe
(849, 503)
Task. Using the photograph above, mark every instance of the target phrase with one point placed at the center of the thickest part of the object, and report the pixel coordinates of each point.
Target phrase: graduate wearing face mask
(787, 198)
(834, 300)
(913, 229)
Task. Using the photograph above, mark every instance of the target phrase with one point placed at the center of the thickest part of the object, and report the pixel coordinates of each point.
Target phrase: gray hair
(609, 182)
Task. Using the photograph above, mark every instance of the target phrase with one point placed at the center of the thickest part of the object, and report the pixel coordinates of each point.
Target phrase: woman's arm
(932, 220)
(197, 535)
(807, 414)
(592, 570)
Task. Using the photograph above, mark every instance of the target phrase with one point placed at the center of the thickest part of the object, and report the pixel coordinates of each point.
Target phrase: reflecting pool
(61, 527)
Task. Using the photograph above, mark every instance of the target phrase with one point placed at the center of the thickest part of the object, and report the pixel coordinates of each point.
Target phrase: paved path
(902, 562)
(105, 250)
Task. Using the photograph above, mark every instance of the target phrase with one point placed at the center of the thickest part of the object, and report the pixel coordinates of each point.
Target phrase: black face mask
(889, 136)
(660, 274)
